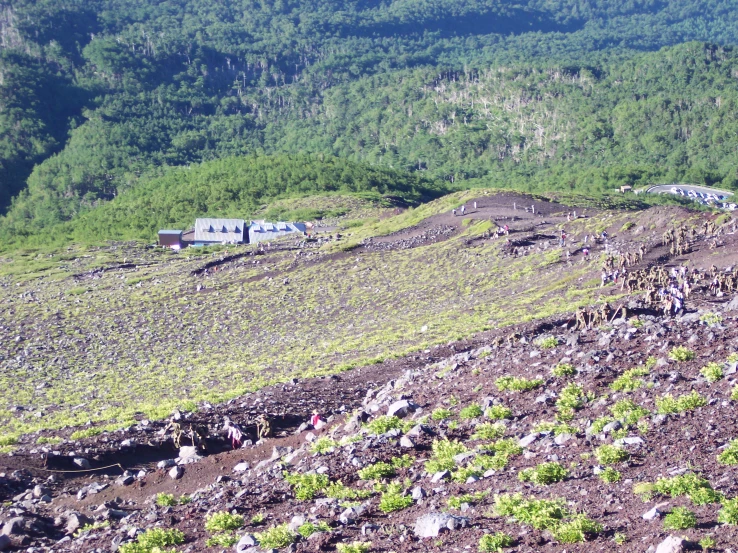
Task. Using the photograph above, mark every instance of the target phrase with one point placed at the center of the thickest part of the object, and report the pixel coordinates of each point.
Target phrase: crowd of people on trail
(586, 318)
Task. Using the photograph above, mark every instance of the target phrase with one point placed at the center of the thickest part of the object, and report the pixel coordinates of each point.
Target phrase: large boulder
(672, 544)
(401, 408)
(431, 524)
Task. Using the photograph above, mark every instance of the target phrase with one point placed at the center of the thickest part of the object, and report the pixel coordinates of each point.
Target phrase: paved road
(666, 189)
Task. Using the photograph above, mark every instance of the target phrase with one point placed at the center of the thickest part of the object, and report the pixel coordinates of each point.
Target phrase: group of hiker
(590, 318)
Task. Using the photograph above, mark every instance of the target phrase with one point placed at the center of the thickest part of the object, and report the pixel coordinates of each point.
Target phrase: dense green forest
(99, 97)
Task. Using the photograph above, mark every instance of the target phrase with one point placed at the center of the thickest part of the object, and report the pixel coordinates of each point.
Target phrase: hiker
(454, 211)
(475, 206)
(463, 210)
(234, 433)
(315, 419)
(263, 428)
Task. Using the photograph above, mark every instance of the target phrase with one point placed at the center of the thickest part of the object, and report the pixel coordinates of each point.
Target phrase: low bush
(322, 445)
(610, 475)
(712, 372)
(544, 474)
(393, 499)
(356, 547)
(377, 471)
(681, 353)
(223, 522)
(471, 411)
(276, 537)
(629, 381)
(517, 384)
(153, 541)
(494, 543)
(564, 369)
(441, 414)
(668, 405)
(729, 512)
(308, 529)
(680, 518)
(488, 431)
(610, 454)
(306, 486)
(729, 455)
(498, 412)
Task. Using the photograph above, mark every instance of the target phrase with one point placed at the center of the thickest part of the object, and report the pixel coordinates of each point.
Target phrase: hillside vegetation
(99, 96)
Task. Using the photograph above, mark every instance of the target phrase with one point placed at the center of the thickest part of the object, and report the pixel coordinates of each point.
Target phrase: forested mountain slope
(97, 94)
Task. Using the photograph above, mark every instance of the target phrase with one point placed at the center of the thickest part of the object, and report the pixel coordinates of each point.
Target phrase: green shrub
(403, 462)
(729, 512)
(668, 405)
(383, 424)
(498, 412)
(628, 412)
(707, 543)
(488, 431)
(544, 474)
(306, 486)
(393, 499)
(165, 500)
(546, 514)
(377, 471)
(322, 445)
(153, 540)
(456, 502)
(729, 456)
(610, 454)
(564, 369)
(222, 540)
(307, 529)
(516, 384)
(494, 543)
(549, 342)
(258, 519)
(507, 446)
(680, 518)
(610, 475)
(734, 393)
(441, 414)
(570, 399)
(712, 372)
(629, 381)
(8, 440)
(598, 426)
(463, 474)
(576, 530)
(276, 537)
(443, 455)
(356, 547)
(222, 522)
(86, 433)
(337, 490)
(711, 318)
(471, 411)
(695, 487)
(680, 353)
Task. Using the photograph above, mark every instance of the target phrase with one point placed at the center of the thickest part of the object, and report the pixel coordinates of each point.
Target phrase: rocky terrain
(425, 453)
(504, 436)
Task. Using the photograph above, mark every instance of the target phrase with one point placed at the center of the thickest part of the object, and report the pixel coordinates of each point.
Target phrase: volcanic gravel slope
(657, 446)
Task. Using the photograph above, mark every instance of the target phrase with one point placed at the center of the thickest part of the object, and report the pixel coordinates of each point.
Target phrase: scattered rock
(4, 542)
(82, 463)
(75, 521)
(176, 472)
(654, 512)
(406, 442)
(246, 542)
(401, 408)
(431, 524)
(241, 467)
(672, 544)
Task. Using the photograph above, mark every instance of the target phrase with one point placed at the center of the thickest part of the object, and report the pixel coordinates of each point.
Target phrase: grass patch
(276, 537)
(668, 405)
(544, 474)
(514, 383)
(680, 518)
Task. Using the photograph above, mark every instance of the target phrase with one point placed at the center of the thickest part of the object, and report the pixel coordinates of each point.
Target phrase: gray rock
(246, 542)
(368, 529)
(406, 442)
(527, 440)
(401, 408)
(655, 512)
(279, 451)
(241, 467)
(296, 522)
(75, 521)
(732, 305)
(431, 524)
(611, 427)
(419, 430)
(442, 475)
(350, 515)
(188, 454)
(672, 544)
(125, 480)
(561, 439)
(82, 463)
(176, 473)
(4, 542)
(463, 457)
(418, 493)
(16, 526)
(39, 491)
(631, 440)
(166, 463)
